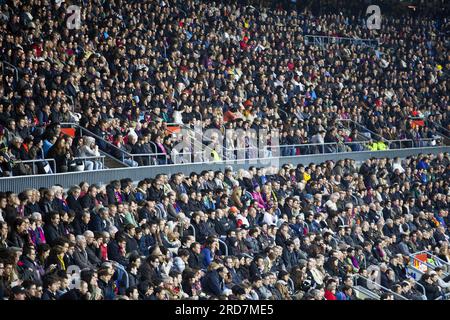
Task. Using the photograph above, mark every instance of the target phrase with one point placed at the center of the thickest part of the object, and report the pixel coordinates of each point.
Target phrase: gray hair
(112, 230)
(88, 233)
(73, 189)
(79, 239)
(36, 216)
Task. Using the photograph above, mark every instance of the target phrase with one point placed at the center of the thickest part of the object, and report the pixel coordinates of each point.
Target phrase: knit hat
(233, 209)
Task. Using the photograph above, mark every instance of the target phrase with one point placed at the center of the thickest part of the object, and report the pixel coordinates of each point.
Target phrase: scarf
(163, 150)
(63, 265)
(354, 262)
(118, 196)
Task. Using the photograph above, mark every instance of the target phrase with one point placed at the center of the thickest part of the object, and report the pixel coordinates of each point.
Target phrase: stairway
(112, 163)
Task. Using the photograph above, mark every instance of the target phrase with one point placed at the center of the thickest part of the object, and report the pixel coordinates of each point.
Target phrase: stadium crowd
(134, 66)
(301, 232)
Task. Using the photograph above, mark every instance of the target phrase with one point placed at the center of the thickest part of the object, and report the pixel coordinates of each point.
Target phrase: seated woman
(161, 150)
(88, 148)
(121, 151)
(61, 154)
(258, 197)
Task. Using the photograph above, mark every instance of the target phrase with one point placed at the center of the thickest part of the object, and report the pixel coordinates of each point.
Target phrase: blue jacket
(207, 257)
(145, 243)
(213, 284)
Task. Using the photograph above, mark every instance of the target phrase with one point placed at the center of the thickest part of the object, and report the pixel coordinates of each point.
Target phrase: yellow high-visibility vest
(381, 145)
(215, 155)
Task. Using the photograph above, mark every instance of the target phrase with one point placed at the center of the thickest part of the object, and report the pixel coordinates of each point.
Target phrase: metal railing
(152, 157)
(95, 158)
(439, 127)
(88, 133)
(125, 155)
(366, 292)
(11, 67)
(378, 286)
(34, 164)
(363, 129)
(224, 244)
(413, 99)
(18, 184)
(444, 297)
(252, 153)
(422, 288)
(437, 262)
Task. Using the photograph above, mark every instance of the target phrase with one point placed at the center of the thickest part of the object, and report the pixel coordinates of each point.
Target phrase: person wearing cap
(18, 293)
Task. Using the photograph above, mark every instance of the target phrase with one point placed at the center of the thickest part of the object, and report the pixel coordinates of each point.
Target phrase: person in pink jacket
(256, 194)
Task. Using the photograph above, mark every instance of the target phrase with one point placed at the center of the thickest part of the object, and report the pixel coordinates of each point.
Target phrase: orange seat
(68, 131)
(173, 129)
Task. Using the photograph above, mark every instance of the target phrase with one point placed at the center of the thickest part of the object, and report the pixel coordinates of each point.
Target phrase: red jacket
(329, 295)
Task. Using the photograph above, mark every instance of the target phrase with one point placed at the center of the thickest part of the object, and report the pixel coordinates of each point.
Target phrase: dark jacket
(73, 294)
(155, 194)
(145, 243)
(97, 224)
(431, 291)
(148, 273)
(32, 207)
(29, 270)
(221, 226)
(254, 271)
(87, 201)
(82, 259)
(114, 253)
(74, 204)
(16, 240)
(94, 255)
(195, 261)
(290, 259)
(52, 233)
(132, 244)
(213, 284)
(107, 289)
(79, 227)
(47, 295)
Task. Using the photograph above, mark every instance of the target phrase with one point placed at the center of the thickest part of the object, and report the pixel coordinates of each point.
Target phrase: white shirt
(270, 219)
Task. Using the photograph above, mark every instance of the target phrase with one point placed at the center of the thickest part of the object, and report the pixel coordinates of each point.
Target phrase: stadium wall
(20, 183)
